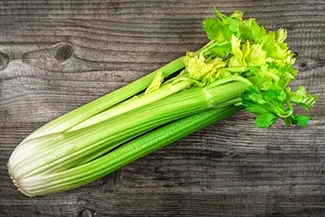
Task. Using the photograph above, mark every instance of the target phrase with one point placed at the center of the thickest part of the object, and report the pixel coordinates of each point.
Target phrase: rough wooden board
(57, 55)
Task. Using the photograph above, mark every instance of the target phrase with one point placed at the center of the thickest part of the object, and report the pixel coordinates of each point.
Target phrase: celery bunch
(242, 66)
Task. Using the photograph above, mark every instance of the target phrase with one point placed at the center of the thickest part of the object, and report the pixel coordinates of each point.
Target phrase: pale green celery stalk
(164, 91)
(123, 155)
(82, 113)
(133, 103)
(108, 134)
(37, 144)
(79, 115)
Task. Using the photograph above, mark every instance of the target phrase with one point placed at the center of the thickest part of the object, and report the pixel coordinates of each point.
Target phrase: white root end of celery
(18, 186)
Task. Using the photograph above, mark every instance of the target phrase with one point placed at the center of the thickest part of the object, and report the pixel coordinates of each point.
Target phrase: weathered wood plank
(57, 55)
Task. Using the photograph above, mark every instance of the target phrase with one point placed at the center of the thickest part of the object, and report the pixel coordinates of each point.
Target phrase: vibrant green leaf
(280, 35)
(302, 98)
(265, 120)
(302, 119)
(238, 15)
(220, 51)
(213, 27)
(257, 97)
(235, 46)
(269, 95)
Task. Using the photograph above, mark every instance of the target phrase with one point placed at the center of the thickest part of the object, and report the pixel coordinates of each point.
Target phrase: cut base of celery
(18, 186)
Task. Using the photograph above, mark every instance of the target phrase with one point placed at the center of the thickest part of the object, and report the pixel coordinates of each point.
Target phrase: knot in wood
(64, 52)
(86, 213)
(4, 60)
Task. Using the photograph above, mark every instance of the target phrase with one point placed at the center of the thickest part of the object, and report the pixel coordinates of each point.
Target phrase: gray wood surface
(57, 55)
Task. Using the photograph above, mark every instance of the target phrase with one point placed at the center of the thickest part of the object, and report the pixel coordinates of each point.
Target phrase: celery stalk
(143, 100)
(82, 113)
(125, 154)
(108, 134)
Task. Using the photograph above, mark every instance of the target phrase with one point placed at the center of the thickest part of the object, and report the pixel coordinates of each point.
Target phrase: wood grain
(57, 55)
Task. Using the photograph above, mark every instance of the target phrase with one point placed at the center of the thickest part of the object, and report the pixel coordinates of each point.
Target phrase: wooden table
(57, 55)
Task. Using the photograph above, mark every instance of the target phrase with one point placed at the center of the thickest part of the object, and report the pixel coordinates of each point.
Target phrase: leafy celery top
(241, 49)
